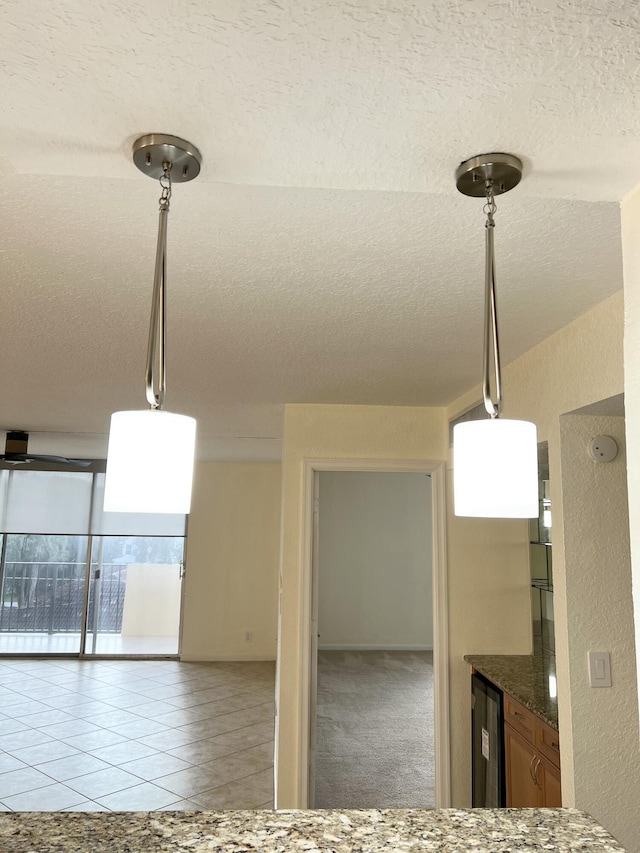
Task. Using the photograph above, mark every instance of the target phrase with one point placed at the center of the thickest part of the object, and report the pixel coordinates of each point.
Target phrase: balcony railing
(49, 597)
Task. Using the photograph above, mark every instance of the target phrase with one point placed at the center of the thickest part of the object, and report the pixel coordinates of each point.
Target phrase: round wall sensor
(603, 448)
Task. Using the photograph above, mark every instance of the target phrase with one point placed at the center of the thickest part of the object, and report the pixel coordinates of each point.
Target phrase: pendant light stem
(491, 340)
(155, 369)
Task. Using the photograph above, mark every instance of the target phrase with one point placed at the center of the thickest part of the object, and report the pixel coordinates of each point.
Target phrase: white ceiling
(324, 255)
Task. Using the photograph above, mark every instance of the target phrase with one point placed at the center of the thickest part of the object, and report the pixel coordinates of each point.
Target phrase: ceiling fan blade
(16, 452)
(60, 460)
(22, 458)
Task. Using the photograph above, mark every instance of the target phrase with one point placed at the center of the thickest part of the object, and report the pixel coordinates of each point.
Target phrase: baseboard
(367, 647)
(224, 658)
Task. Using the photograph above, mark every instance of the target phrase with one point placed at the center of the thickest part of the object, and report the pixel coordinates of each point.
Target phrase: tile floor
(134, 735)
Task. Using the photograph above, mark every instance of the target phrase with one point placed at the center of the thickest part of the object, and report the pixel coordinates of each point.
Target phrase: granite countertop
(330, 831)
(528, 678)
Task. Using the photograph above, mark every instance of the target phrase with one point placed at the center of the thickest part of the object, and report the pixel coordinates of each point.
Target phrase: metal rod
(156, 386)
(496, 343)
(491, 340)
(3, 567)
(87, 570)
(97, 583)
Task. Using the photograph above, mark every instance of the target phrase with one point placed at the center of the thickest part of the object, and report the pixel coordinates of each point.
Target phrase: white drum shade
(495, 469)
(150, 462)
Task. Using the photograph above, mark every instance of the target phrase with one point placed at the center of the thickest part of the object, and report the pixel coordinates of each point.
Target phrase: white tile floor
(100, 735)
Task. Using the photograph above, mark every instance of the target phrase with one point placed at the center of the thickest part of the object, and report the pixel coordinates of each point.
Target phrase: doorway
(374, 707)
(418, 660)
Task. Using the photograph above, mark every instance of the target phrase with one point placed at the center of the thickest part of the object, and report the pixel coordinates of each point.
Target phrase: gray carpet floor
(375, 733)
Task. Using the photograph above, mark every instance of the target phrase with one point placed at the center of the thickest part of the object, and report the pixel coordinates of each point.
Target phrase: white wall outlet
(248, 637)
(599, 669)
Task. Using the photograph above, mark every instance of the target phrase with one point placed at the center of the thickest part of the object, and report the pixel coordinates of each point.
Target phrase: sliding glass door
(42, 592)
(135, 594)
(81, 581)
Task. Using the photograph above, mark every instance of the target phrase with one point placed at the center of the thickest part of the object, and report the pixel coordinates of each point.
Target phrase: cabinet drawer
(547, 742)
(522, 719)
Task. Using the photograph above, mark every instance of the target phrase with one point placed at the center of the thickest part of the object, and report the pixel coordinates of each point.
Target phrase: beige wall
(374, 587)
(489, 613)
(329, 432)
(606, 749)
(631, 261)
(579, 365)
(232, 562)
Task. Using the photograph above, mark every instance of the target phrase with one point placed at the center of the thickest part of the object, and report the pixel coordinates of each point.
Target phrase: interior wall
(600, 613)
(579, 365)
(328, 432)
(631, 265)
(375, 558)
(489, 613)
(233, 544)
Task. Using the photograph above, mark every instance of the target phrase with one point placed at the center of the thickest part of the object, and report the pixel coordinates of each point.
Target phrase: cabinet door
(520, 756)
(549, 780)
(547, 742)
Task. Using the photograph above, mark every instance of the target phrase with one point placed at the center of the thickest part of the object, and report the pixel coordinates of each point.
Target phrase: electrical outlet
(248, 637)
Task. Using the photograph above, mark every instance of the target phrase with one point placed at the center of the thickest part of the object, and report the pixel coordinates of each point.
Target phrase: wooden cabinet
(532, 758)
(519, 756)
(549, 776)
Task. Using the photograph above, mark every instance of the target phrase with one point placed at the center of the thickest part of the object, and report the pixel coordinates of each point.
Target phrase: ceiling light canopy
(151, 452)
(495, 461)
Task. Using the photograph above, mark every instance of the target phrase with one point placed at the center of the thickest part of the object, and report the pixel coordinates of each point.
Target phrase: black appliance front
(487, 727)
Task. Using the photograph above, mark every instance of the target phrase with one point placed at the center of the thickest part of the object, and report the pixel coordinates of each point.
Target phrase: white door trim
(440, 610)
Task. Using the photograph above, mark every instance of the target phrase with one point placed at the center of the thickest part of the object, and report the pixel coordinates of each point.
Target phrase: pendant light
(151, 452)
(495, 461)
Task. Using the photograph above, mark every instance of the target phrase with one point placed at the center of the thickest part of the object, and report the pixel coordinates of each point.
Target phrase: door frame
(440, 609)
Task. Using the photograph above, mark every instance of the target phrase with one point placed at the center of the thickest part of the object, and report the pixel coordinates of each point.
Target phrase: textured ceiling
(324, 255)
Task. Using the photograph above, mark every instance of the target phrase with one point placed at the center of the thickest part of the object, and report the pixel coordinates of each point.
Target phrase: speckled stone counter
(331, 831)
(528, 678)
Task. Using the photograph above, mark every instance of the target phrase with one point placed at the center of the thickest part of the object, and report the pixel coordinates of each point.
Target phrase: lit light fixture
(151, 452)
(495, 461)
